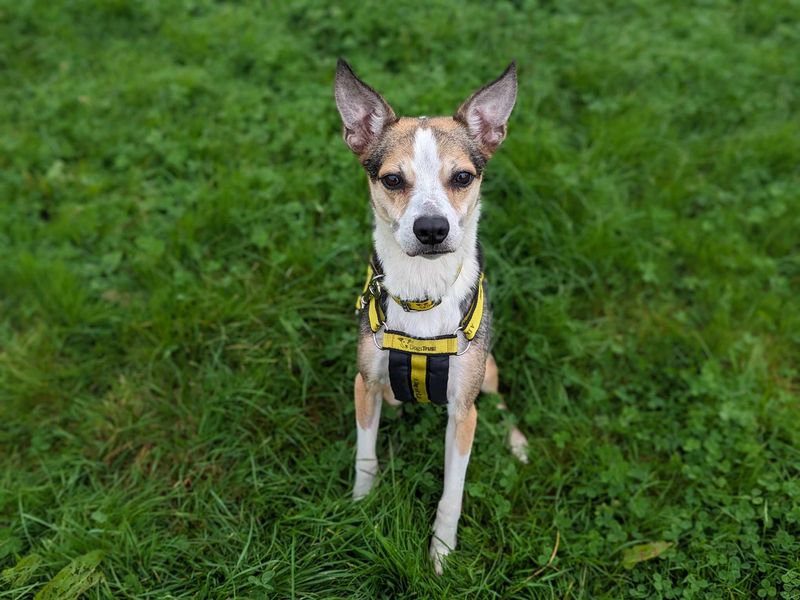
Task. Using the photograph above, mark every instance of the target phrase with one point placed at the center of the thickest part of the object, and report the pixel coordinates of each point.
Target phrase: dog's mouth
(433, 254)
(430, 254)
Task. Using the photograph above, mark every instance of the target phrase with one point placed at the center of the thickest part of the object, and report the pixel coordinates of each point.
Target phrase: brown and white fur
(429, 157)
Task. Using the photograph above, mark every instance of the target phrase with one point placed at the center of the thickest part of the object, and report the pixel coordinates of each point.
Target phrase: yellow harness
(418, 367)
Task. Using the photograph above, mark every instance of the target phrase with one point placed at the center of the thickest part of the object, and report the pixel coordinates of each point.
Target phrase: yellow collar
(375, 274)
(373, 298)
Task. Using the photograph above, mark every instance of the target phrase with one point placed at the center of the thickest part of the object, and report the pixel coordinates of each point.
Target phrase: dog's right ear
(486, 112)
(364, 112)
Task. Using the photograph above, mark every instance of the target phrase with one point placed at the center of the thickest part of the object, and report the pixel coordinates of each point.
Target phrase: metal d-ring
(375, 337)
(469, 342)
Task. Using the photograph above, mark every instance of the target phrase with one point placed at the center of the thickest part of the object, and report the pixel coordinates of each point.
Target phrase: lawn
(183, 232)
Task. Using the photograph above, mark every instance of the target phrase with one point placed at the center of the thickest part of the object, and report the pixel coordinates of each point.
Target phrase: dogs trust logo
(420, 347)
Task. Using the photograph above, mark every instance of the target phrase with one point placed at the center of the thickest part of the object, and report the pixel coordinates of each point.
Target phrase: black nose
(431, 230)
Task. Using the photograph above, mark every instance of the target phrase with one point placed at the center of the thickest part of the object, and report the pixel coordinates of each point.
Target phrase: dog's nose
(431, 230)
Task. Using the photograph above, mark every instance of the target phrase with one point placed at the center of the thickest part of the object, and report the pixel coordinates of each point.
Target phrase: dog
(425, 318)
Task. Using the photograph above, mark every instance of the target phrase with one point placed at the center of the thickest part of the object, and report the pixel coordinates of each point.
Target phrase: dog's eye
(392, 181)
(462, 179)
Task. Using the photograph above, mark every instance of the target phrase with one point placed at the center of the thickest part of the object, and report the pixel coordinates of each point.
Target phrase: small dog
(425, 322)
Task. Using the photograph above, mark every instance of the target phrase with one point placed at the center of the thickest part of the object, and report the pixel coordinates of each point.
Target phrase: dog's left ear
(486, 112)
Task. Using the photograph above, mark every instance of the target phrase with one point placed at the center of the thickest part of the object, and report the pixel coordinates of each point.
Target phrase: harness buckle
(373, 289)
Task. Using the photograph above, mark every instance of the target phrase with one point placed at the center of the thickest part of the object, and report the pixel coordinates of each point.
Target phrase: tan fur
(444, 123)
(472, 376)
(491, 381)
(364, 404)
(388, 396)
(389, 205)
(399, 141)
(366, 353)
(455, 158)
(465, 430)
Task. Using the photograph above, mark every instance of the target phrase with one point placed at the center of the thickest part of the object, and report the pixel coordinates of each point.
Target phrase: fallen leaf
(19, 574)
(74, 579)
(642, 552)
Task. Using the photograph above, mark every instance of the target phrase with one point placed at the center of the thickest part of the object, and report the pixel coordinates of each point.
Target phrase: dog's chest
(452, 278)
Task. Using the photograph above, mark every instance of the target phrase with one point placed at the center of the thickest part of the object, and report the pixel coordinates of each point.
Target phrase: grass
(183, 231)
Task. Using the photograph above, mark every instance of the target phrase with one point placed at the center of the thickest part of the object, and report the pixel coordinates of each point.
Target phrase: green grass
(182, 232)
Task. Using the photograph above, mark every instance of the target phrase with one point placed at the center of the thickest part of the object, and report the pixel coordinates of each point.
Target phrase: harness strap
(360, 299)
(376, 315)
(472, 319)
(397, 340)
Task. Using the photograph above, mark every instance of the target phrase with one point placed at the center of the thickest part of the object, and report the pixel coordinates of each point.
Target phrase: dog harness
(418, 367)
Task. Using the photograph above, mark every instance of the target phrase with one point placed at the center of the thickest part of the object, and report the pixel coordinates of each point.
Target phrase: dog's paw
(361, 491)
(366, 471)
(439, 551)
(518, 444)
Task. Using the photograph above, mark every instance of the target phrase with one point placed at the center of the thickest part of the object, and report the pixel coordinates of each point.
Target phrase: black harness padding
(438, 371)
(400, 375)
(435, 372)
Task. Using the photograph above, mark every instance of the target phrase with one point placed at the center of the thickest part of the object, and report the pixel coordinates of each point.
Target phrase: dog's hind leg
(516, 439)
(491, 378)
(368, 416)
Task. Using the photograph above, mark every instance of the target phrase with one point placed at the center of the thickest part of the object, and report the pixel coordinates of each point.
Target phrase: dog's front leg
(457, 448)
(368, 416)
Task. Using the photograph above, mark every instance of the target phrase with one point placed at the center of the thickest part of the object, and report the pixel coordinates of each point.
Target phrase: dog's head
(424, 173)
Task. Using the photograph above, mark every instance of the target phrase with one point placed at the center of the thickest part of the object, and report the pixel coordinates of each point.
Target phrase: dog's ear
(364, 112)
(486, 112)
